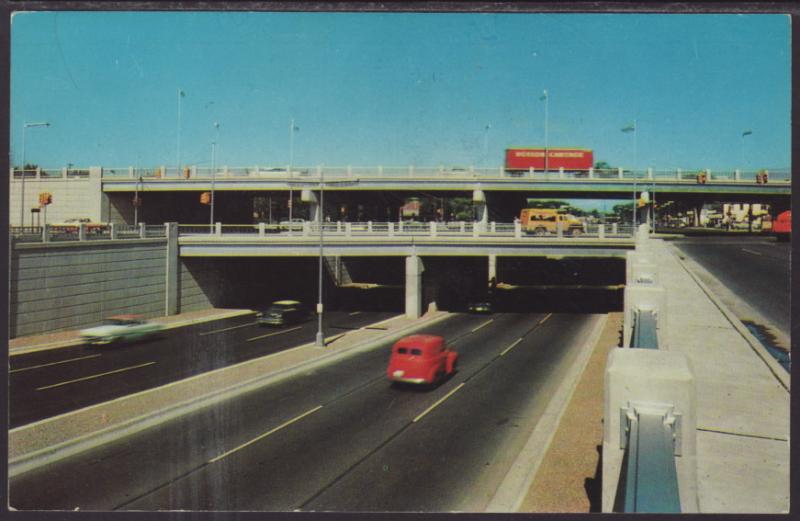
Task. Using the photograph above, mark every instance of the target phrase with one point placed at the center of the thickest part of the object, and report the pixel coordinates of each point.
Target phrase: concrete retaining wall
(57, 287)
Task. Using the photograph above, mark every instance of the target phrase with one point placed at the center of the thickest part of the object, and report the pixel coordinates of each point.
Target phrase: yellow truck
(543, 221)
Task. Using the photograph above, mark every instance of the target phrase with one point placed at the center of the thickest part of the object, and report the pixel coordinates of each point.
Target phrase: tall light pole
(544, 97)
(632, 128)
(292, 130)
(213, 169)
(25, 127)
(181, 94)
(486, 142)
(320, 339)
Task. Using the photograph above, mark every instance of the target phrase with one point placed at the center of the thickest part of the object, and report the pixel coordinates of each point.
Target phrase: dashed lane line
(509, 348)
(439, 401)
(262, 436)
(273, 334)
(227, 329)
(92, 377)
(484, 324)
(753, 252)
(19, 370)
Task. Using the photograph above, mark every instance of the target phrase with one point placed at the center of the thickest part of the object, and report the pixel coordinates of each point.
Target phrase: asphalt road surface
(47, 383)
(755, 269)
(338, 437)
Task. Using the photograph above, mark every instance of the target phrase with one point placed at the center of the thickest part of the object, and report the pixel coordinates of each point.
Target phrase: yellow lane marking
(542, 321)
(226, 329)
(509, 348)
(273, 334)
(115, 371)
(52, 363)
(262, 436)
(484, 324)
(443, 398)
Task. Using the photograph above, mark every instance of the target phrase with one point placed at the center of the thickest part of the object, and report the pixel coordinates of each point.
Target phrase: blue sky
(400, 89)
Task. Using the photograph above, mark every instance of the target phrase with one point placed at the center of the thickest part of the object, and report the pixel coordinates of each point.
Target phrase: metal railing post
(112, 231)
(142, 231)
(391, 229)
(560, 230)
(82, 232)
(218, 229)
(262, 228)
(46, 233)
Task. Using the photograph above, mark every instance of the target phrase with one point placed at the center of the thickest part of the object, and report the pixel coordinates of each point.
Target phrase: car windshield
(279, 308)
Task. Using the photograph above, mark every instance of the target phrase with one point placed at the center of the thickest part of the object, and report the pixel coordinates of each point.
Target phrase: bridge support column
(414, 269)
(308, 196)
(492, 268)
(172, 289)
(479, 200)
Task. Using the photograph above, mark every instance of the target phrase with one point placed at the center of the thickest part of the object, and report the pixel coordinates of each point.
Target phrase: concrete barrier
(639, 380)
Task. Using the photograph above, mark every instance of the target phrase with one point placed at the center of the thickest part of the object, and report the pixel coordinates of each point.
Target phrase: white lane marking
(751, 251)
(354, 313)
(440, 400)
(509, 348)
(262, 436)
(52, 363)
(542, 321)
(273, 334)
(484, 324)
(91, 377)
(226, 329)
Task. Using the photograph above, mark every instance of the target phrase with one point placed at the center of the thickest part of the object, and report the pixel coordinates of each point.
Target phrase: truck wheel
(576, 232)
(540, 232)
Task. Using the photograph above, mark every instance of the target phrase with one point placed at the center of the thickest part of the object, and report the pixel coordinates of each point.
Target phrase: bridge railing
(284, 172)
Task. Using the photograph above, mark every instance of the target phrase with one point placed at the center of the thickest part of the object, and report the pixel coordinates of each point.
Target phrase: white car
(120, 328)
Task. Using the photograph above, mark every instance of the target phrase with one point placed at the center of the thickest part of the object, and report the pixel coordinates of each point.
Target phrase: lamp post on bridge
(25, 127)
(213, 171)
(320, 338)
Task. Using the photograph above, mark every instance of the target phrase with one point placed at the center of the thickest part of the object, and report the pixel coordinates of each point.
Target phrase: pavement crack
(743, 435)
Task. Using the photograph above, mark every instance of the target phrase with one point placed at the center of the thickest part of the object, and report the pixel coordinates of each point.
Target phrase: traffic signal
(205, 198)
(45, 198)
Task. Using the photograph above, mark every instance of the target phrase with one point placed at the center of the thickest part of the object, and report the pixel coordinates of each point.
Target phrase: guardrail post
(708, 173)
(82, 231)
(338, 226)
(218, 229)
(462, 226)
(679, 174)
(410, 170)
(518, 229)
(493, 227)
(369, 226)
(130, 172)
(306, 228)
(645, 297)
(619, 172)
(601, 231)
(46, 233)
(591, 173)
(432, 227)
(391, 229)
(646, 380)
(530, 171)
(142, 231)
(614, 228)
(737, 175)
(561, 172)
(400, 226)
(262, 228)
(112, 231)
(349, 171)
(649, 173)
(380, 170)
(348, 229)
(560, 230)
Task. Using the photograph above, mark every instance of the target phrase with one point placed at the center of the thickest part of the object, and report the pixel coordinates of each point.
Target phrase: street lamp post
(320, 339)
(213, 170)
(292, 128)
(741, 146)
(178, 159)
(546, 100)
(25, 127)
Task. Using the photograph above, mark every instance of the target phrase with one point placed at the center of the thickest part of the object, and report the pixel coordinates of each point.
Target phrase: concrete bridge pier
(308, 196)
(414, 270)
(481, 209)
(492, 270)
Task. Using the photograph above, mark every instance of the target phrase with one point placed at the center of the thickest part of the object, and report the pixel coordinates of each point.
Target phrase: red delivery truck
(570, 159)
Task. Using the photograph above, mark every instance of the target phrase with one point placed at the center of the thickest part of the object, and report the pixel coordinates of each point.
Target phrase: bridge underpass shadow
(532, 300)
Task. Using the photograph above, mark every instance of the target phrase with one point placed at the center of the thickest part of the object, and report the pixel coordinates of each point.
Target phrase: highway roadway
(339, 436)
(755, 269)
(47, 383)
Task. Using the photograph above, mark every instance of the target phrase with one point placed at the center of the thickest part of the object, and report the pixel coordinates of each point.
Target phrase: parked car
(782, 226)
(281, 313)
(421, 359)
(72, 225)
(480, 306)
(120, 328)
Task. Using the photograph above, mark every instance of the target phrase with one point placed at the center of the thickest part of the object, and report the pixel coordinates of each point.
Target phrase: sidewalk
(742, 400)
